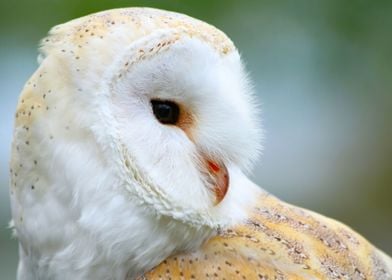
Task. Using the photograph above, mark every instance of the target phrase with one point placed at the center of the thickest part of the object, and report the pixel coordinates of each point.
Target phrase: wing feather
(280, 241)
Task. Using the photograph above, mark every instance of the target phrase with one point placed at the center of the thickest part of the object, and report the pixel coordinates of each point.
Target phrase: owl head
(136, 110)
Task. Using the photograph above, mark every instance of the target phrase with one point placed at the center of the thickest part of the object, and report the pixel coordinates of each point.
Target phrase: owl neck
(87, 227)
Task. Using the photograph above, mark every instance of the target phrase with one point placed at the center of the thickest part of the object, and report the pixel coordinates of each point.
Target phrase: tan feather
(280, 241)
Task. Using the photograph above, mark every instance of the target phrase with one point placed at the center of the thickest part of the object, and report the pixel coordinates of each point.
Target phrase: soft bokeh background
(322, 70)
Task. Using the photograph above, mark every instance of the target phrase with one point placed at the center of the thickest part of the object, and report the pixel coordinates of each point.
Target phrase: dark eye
(165, 111)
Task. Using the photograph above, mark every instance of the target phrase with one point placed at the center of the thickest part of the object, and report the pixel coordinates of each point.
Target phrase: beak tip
(218, 179)
(222, 184)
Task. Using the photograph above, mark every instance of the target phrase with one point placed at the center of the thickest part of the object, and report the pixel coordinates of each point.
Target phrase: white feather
(106, 191)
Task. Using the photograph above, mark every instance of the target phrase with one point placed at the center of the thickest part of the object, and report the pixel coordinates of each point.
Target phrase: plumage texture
(102, 190)
(280, 241)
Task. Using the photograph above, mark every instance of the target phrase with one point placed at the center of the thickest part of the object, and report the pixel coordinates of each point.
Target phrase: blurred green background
(322, 70)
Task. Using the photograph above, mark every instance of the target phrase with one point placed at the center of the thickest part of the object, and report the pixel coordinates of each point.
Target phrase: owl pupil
(165, 111)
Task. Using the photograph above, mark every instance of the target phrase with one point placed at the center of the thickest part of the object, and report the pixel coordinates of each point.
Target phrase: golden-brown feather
(279, 241)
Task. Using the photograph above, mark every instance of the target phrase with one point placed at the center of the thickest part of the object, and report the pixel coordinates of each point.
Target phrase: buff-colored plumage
(101, 190)
(280, 241)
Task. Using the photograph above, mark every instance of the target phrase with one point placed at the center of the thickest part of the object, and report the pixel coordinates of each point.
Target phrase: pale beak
(219, 179)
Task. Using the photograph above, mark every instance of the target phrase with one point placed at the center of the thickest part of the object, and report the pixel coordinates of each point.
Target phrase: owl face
(154, 107)
(184, 117)
(133, 133)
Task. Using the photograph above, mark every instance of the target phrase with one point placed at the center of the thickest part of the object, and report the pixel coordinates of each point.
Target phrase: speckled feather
(74, 39)
(280, 241)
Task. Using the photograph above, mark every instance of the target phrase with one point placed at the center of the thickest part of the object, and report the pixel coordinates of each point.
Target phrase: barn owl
(131, 146)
